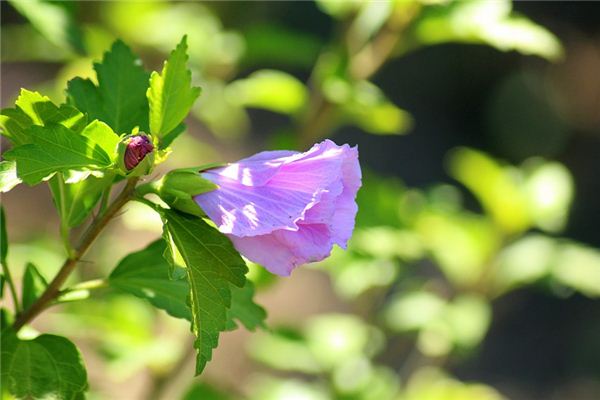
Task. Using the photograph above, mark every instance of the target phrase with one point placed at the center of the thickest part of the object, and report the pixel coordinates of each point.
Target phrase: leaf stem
(53, 289)
(11, 285)
(64, 227)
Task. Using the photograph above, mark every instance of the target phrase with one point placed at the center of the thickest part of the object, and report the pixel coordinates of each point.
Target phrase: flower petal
(280, 252)
(279, 202)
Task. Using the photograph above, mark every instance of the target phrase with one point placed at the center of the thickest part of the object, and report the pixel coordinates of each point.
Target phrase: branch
(53, 289)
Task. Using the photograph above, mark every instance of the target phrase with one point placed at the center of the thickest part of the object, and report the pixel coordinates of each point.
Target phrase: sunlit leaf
(578, 266)
(8, 176)
(170, 94)
(55, 20)
(55, 148)
(432, 383)
(269, 89)
(486, 22)
(34, 109)
(495, 187)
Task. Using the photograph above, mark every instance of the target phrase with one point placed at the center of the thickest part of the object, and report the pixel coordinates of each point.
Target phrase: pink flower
(282, 209)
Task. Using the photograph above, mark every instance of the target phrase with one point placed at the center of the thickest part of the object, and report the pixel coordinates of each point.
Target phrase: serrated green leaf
(85, 96)
(170, 94)
(103, 136)
(145, 274)
(75, 201)
(43, 111)
(213, 265)
(34, 285)
(56, 148)
(34, 109)
(47, 367)
(120, 97)
(14, 122)
(244, 309)
(8, 176)
(55, 20)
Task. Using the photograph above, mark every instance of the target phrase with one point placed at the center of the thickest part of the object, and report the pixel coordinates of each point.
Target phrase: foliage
(421, 274)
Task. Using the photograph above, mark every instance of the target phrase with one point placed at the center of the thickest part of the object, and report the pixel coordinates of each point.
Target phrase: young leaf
(244, 309)
(34, 285)
(8, 176)
(213, 265)
(170, 94)
(48, 367)
(56, 148)
(101, 134)
(120, 97)
(34, 109)
(145, 274)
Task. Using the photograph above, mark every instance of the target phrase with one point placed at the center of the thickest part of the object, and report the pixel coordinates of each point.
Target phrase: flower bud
(136, 154)
(178, 187)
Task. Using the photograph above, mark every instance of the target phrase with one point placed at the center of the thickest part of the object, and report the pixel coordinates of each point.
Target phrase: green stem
(64, 227)
(88, 285)
(53, 289)
(147, 188)
(11, 286)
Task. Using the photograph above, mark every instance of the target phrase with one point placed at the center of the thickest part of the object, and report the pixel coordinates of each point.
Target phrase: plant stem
(53, 289)
(11, 285)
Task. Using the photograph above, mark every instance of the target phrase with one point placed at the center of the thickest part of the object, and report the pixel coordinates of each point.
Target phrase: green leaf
(244, 309)
(34, 109)
(103, 136)
(269, 89)
(55, 20)
(170, 94)
(486, 22)
(48, 367)
(3, 237)
(43, 111)
(8, 176)
(56, 148)
(75, 201)
(34, 285)
(212, 266)
(365, 105)
(120, 97)
(145, 274)
(14, 122)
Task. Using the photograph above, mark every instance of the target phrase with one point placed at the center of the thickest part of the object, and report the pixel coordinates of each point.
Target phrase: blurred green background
(474, 270)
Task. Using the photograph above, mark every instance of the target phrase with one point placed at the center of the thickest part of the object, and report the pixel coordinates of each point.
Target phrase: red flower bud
(137, 148)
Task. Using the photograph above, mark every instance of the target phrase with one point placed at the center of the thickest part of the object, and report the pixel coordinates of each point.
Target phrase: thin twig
(53, 289)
